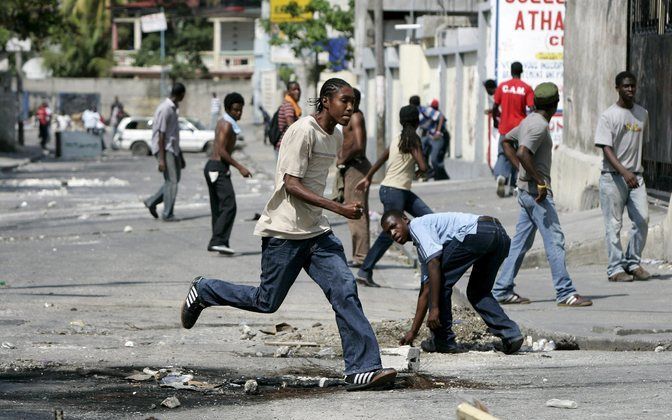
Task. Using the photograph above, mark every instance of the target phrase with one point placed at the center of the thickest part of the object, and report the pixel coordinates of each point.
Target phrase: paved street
(86, 270)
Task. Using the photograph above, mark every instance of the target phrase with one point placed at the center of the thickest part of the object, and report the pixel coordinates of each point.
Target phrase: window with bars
(651, 16)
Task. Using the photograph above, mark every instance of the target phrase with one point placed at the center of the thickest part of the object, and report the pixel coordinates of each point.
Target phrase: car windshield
(196, 123)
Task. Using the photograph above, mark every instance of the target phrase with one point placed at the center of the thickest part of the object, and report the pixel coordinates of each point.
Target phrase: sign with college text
(279, 13)
(532, 32)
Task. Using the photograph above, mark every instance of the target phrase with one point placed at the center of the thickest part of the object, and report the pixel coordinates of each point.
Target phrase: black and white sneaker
(193, 305)
(222, 249)
(374, 379)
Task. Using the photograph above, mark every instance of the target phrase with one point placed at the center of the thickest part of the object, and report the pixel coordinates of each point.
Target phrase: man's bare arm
(295, 188)
(629, 177)
(510, 153)
(223, 138)
(525, 157)
(420, 312)
(434, 271)
(420, 159)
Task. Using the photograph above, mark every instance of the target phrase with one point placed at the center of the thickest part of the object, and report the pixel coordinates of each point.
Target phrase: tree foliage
(28, 19)
(309, 37)
(185, 38)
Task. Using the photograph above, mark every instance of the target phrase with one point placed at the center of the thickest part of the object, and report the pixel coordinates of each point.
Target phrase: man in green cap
(537, 207)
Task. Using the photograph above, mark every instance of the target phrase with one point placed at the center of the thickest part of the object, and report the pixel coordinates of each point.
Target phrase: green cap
(546, 93)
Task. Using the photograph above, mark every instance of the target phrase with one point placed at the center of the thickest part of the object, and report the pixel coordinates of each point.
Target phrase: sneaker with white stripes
(193, 305)
(575, 300)
(370, 380)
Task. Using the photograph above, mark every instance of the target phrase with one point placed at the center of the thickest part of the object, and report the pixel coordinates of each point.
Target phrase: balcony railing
(227, 61)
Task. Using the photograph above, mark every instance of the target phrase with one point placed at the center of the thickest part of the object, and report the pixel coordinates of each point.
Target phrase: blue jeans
(322, 257)
(533, 216)
(392, 199)
(484, 252)
(615, 196)
(167, 194)
(434, 150)
(503, 166)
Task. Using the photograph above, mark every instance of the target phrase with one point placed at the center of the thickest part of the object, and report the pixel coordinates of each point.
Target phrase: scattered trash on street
(554, 402)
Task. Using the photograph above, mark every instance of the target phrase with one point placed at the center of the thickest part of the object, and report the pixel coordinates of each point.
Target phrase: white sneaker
(222, 249)
(501, 187)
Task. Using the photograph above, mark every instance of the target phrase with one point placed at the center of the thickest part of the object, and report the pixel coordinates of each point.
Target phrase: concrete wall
(7, 113)
(595, 51)
(140, 97)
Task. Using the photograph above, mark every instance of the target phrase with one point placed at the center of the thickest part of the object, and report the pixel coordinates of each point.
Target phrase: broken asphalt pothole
(126, 391)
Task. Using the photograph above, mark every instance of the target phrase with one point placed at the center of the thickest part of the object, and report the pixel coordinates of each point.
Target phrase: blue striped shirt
(431, 232)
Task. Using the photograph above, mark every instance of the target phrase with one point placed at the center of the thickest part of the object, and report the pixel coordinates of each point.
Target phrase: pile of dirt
(470, 329)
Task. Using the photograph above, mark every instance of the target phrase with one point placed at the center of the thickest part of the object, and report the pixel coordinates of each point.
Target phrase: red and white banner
(532, 32)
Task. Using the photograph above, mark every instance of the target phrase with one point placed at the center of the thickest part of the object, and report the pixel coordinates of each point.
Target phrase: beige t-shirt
(400, 169)
(306, 152)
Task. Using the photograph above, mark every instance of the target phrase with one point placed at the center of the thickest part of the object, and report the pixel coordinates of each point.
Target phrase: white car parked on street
(135, 134)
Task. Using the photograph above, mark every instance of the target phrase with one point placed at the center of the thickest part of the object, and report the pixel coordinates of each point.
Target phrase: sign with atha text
(532, 32)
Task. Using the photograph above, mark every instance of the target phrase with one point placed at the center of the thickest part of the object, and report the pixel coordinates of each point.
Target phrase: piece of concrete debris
(51, 204)
(259, 354)
(554, 402)
(404, 358)
(326, 352)
(128, 229)
(543, 345)
(282, 351)
(129, 344)
(8, 345)
(48, 305)
(140, 377)
(251, 387)
(148, 371)
(247, 333)
(466, 411)
(317, 324)
(171, 402)
(283, 326)
(658, 349)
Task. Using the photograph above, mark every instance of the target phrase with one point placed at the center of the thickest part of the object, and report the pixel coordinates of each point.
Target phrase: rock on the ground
(171, 402)
(251, 387)
(403, 359)
(282, 351)
(554, 402)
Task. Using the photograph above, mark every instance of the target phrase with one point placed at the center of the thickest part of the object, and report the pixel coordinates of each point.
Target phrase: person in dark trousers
(435, 140)
(448, 244)
(296, 235)
(44, 119)
(395, 189)
(537, 208)
(621, 131)
(490, 88)
(352, 159)
(218, 174)
(166, 148)
(514, 97)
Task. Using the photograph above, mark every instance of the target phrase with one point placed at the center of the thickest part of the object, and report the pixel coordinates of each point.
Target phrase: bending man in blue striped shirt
(448, 245)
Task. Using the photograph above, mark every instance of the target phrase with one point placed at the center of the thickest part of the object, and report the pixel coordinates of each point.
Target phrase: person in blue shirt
(448, 244)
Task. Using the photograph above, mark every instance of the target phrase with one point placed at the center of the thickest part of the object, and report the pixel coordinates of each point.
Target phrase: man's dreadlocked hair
(329, 87)
(409, 119)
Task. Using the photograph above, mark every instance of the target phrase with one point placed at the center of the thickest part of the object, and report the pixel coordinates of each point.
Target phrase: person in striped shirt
(289, 111)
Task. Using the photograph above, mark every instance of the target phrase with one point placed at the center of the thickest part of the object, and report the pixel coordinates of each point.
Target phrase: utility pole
(380, 77)
(19, 92)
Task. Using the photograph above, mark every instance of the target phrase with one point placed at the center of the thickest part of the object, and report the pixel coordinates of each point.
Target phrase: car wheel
(208, 148)
(139, 148)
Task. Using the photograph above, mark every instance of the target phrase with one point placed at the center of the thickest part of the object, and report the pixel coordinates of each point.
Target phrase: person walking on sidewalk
(621, 131)
(537, 209)
(218, 175)
(296, 235)
(352, 159)
(166, 149)
(289, 110)
(448, 244)
(44, 120)
(435, 141)
(395, 189)
(215, 111)
(513, 96)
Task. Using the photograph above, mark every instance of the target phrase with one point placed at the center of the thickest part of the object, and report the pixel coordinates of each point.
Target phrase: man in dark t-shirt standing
(513, 96)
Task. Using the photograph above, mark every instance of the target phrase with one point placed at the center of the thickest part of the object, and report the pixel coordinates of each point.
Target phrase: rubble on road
(251, 387)
(556, 403)
(171, 402)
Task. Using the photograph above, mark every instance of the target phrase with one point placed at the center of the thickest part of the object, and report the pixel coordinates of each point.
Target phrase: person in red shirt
(513, 96)
(44, 118)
